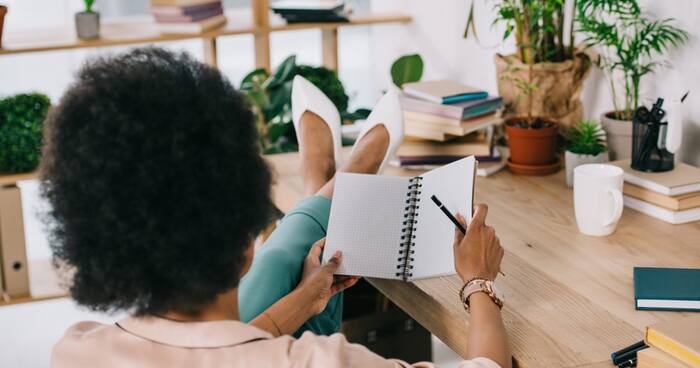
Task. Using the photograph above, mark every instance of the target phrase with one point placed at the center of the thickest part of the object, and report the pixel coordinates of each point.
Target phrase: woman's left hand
(318, 283)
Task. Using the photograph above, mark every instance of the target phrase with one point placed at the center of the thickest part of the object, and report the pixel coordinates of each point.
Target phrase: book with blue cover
(676, 289)
(443, 91)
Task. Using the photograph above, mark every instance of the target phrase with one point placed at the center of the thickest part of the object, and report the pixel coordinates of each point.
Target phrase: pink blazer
(158, 342)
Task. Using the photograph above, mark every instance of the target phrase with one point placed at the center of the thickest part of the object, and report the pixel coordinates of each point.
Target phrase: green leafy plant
(270, 95)
(538, 25)
(88, 5)
(629, 43)
(407, 69)
(587, 138)
(539, 29)
(21, 121)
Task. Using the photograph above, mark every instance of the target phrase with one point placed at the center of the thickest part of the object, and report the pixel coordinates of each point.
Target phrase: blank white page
(453, 185)
(365, 224)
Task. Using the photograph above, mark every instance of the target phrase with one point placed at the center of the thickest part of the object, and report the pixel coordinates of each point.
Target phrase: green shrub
(21, 120)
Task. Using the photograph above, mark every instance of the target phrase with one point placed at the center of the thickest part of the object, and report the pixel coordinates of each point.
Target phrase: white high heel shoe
(307, 97)
(387, 112)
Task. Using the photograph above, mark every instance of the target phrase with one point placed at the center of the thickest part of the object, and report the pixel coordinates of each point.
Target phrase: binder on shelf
(13, 253)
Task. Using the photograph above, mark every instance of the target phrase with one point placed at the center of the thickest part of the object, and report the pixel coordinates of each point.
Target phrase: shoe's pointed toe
(307, 97)
(387, 112)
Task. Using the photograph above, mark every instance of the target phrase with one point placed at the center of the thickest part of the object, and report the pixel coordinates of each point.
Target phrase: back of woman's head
(155, 181)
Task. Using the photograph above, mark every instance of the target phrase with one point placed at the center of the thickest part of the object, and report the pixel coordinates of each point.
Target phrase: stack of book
(442, 110)
(319, 11)
(672, 344)
(672, 196)
(446, 121)
(187, 16)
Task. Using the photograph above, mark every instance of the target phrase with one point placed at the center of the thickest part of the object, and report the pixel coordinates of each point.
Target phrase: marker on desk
(452, 218)
(624, 356)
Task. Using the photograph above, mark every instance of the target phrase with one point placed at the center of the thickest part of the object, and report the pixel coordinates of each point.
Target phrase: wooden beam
(261, 22)
(210, 52)
(329, 44)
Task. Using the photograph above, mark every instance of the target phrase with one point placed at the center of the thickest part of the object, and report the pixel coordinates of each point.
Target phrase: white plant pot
(87, 25)
(571, 160)
(619, 136)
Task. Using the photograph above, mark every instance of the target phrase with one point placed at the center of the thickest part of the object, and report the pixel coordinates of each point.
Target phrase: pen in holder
(649, 130)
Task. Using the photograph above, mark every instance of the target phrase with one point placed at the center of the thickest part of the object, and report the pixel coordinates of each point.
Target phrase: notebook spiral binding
(409, 228)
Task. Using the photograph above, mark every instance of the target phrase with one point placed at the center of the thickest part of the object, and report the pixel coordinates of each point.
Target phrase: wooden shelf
(12, 179)
(140, 30)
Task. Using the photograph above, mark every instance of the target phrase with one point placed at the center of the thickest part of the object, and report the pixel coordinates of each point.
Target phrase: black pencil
(452, 218)
(448, 214)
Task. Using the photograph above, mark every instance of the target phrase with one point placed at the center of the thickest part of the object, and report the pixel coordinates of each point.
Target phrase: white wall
(436, 34)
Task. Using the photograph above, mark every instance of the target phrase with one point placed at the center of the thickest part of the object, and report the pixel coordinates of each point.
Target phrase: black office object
(628, 353)
(649, 129)
(448, 214)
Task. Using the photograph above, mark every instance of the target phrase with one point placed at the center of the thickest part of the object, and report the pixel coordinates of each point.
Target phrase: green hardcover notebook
(667, 289)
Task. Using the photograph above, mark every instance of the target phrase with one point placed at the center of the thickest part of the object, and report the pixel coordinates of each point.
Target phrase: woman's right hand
(477, 254)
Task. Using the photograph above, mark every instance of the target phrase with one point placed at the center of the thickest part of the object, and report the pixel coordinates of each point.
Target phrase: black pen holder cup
(648, 147)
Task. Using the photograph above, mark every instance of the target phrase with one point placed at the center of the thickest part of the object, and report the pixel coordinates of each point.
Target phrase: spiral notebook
(387, 227)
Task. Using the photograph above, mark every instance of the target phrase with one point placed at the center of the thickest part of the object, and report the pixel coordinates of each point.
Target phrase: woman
(158, 189)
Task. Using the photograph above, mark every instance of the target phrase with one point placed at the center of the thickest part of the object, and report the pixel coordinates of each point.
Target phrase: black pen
(452, 218)
(448, 214)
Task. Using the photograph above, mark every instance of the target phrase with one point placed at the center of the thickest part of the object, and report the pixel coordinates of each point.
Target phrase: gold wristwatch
(481, 286)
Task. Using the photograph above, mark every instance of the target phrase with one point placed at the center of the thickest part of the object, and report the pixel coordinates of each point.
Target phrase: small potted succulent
(587, 145)
(631, 45)
(87, 22)
(3, 11)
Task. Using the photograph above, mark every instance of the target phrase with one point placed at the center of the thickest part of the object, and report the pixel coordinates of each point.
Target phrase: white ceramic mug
(598, 198)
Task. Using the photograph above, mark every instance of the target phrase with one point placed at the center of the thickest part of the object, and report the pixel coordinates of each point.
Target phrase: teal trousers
(278, 264)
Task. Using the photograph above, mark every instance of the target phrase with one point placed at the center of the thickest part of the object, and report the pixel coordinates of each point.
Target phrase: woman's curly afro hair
(155, 181)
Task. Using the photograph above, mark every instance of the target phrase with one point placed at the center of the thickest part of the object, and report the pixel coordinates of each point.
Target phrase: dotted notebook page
(365, 224)
(453, 184)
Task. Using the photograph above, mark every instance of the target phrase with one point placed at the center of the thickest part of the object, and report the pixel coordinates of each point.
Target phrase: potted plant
(21, 121)
(3, 11)
(586, 146)
(629, 45)
(546, 56)
(87, 22)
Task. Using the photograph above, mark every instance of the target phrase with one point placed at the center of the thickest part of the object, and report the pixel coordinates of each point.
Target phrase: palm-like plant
(587, 138)
(629, 43)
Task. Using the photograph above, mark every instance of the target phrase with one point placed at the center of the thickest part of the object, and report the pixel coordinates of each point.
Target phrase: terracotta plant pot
(531, 146)
(619, 136)
(3, 11)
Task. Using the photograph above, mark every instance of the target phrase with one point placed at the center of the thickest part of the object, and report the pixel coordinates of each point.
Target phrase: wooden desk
(569, 296)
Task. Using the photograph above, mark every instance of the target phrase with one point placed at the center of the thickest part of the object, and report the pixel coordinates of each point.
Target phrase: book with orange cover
(673, 203)
(679, 338)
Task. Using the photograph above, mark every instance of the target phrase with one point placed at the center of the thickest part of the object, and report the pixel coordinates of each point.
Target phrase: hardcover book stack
(446, 121)
(187, 16)
(672, 196)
